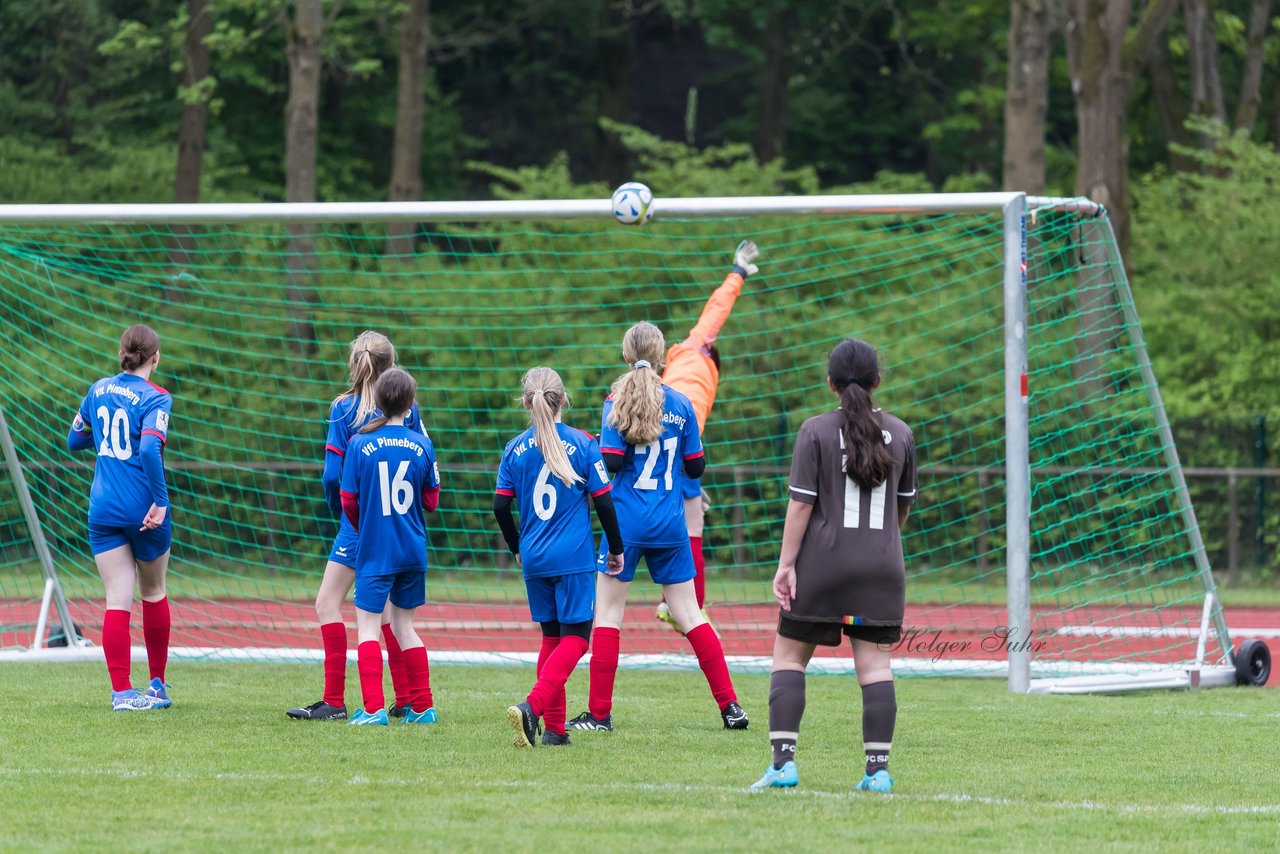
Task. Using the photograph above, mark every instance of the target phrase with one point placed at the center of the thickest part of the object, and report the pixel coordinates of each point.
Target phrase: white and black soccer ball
(633, 204)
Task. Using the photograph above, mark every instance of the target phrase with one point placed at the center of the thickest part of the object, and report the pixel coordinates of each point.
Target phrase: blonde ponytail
(544, 396)
(637, 395)
(371, 355)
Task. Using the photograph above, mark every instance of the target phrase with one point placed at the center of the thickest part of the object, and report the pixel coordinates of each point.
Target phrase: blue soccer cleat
(363, 718)
(785, 777)
(129, 701)
(158, 694)
(877, 782)
(427, 717)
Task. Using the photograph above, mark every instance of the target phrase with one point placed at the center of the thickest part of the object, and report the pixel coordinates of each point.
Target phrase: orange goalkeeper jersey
(690, 370)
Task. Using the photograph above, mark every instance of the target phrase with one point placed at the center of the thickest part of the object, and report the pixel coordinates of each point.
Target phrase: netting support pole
(1017, 446)
(37, 537)
(1185, 507)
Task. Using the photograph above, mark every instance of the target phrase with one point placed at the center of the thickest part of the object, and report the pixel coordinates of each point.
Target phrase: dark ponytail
(393, 393)
(137, 345)
(854, 371)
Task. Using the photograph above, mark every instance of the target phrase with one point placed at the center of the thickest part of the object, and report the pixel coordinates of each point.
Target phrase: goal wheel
(1253, 663)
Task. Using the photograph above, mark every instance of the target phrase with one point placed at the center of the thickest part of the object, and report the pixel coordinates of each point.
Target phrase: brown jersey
(850, 568)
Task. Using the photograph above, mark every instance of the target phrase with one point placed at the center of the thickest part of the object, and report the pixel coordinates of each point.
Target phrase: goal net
(1078, 553)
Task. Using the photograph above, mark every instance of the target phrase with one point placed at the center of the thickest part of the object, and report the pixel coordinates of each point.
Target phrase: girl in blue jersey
(649, 439)
(550, 469)
(388, 478)
(126, 418)
(371, 355)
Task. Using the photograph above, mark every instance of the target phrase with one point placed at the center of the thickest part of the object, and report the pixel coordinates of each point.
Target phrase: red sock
(115, 648)
(155, 633)
(395, 663)
(547, 696)
(418, 675)
(369, 659)
(699, 570)
(604, 667)
(334, 636)
(555, 708)
(711, 659)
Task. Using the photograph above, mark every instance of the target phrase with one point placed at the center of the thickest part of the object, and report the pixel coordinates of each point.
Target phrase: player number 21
(397, 494)
(646, 480)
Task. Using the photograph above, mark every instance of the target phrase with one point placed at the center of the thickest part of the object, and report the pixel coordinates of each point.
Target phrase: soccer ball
(633, 204)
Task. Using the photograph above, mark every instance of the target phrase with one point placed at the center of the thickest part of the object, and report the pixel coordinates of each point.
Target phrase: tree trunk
(406, 151)
(1168, 97)
(191, 128)
(195, 110)
(305, 38)
(613, 49)
(771, 127)
(1026, 95)
(1104, 56)
(1254, 57)
(1202, 61)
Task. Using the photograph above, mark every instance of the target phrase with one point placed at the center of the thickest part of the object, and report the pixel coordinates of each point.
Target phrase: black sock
(879, 712)
(786, 708)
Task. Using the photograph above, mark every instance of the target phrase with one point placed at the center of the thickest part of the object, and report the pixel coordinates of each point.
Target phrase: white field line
(1155, 632)
(383, 781)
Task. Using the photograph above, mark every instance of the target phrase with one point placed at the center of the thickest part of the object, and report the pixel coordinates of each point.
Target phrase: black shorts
(833, 634)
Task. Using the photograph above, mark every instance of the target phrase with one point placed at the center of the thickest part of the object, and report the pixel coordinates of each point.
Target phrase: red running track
(950, 632)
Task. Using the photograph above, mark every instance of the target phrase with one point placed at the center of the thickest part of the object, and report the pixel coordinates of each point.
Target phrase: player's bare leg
(786, 708)
(683, 602)
(611, 603)
(156, 624)
(879, 712)
(119, 574)
(695, 512)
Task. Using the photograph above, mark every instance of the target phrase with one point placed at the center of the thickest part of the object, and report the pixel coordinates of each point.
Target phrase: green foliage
(255, 780)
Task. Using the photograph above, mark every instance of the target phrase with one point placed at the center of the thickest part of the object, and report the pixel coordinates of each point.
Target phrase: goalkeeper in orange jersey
(693, 369)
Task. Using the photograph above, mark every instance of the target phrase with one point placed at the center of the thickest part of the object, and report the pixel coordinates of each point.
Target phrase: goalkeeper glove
(743, 256)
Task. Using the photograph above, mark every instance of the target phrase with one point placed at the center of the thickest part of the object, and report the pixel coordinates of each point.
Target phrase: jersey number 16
(397, 494)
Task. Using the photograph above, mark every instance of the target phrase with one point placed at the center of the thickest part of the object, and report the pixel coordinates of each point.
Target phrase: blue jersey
(343, 424)
(119, 411)
(555, 525)
(648, 491)
(389, 472)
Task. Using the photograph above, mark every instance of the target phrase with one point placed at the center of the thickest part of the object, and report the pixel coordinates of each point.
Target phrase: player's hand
(744, 255)
(784, 585)
(613, 564)
(706, 501)
(154, 518)
(519, 560)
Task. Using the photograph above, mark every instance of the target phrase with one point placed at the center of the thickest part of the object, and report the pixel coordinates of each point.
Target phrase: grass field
(976, 768)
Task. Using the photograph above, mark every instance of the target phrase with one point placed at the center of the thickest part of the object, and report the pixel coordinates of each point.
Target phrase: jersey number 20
(115, 434)
(397, 494)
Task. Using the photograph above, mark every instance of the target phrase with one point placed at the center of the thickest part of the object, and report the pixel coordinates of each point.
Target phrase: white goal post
(1214, 661)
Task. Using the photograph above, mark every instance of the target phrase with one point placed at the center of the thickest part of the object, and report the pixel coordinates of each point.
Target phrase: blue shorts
(691, 487)
(563, 598)
(344, 545)
(147, 545)
(405, 590)
(666, 564)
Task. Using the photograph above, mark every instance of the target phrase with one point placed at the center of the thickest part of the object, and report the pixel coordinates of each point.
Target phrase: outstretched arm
(720, 305)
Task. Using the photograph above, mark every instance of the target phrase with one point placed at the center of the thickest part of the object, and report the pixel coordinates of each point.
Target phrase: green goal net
(255, 320)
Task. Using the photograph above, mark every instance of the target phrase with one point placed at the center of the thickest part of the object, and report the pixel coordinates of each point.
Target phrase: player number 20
(397, 494)
(646, 480)
(115, 434)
